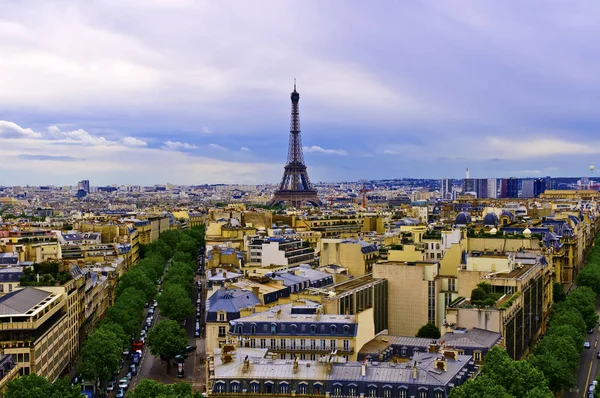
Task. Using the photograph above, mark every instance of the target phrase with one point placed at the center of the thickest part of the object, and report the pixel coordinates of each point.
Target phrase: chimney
(363, 368)
(295, 365)
(279, 313)
(415, 370)
(225, 274)
(467, 173)
(255, 290)
(329, 367)
(318, 314)
(246, 366)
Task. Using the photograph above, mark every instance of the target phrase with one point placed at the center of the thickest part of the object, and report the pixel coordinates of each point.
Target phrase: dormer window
(293, 329)
(333, 328)
(346, 330)
(273, 328)
(313, 329)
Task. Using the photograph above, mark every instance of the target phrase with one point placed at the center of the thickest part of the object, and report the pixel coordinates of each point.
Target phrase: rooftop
(22, 301)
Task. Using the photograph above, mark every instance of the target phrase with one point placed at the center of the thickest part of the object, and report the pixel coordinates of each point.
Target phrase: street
(154, 368)
(588, 364)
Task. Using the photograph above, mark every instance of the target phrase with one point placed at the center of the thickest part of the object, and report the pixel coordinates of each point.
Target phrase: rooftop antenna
(294, 84)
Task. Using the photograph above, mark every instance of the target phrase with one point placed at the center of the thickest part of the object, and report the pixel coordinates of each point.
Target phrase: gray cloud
(53, 158)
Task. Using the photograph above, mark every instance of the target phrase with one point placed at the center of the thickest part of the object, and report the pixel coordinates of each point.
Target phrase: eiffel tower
(295, 187)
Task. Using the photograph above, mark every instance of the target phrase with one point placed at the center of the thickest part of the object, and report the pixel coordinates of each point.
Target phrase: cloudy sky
(195, 92)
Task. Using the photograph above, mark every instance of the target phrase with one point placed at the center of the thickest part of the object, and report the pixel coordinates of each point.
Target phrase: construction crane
(364, 191)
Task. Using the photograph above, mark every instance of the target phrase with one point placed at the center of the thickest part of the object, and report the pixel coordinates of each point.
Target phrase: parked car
(586, 344)
(197, 333)
(180, 372)
(110, 386)
(190, 348)
(120, 394)
(124, 383)
(133, 370)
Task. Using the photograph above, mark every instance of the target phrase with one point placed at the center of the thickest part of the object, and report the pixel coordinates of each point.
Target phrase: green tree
(30, 386)
(100, 356)
(167, 339)
(558, 293)
(478, 295)
(584, 300)
(559, 376)
(429, 330)
(561, 347)
(481, 387)
(62, 388)
(563, 314)
(175, 302)
(589, 277)
(147, 388)
(138, 279)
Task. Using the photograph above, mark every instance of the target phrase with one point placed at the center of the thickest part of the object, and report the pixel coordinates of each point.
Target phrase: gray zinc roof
(231, 300)
(22, 300)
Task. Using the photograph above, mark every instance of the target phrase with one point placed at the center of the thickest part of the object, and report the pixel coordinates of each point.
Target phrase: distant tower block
(295, 187)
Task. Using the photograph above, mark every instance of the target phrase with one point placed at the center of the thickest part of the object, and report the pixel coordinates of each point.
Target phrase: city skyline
(194, 92)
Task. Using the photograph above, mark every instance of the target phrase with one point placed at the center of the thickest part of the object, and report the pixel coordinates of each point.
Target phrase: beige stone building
(356, 256)
(413, 289)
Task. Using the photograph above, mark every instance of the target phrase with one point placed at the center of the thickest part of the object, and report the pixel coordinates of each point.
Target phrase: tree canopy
(34, 386)
(429, 330)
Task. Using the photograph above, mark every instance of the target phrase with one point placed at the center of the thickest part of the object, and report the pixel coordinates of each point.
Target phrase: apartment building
(223, 306)
(357, 256)
(523, 283)
(413, 294)
(301, 329)
(35, 245)
(286, 252)
(233, 371)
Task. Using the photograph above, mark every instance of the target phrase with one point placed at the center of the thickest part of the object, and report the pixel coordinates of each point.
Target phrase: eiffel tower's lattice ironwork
(295, 187)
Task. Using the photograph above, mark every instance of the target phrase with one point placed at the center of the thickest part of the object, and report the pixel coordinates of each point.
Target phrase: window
(322, 344)
(273, 328)
(317, 388)
(293, 344)
(333, 328)
(221, 331)
(252, 343)
(439, 394)
(313, 357)
(337, 390)
(302, 344)
(346, 330)
(303, 388)
(221, 316)
(403, 351)
(254, 388)
(10, 287)
(240, 329)
(452, 284)
(263, 343)
(234, 387)
(387, 392)
(313, 344)
(313, 329)
(273, 344)
(431, 302)
(293, 329)
(352, 391)
(284, 388)
(253, 329)
(1, 287)
(402, 393)
(346, 345)
(282, 344)
(269, 387)
(372, 391)
(220, 387)
(332, 344)
(423, 393)
(477, 355)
